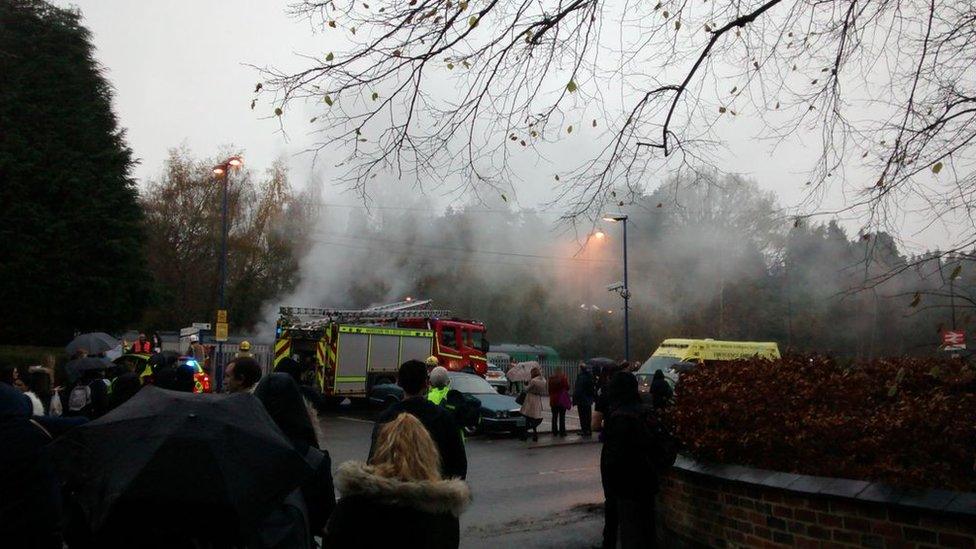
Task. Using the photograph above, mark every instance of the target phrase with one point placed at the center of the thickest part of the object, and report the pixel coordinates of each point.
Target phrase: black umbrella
(75, 367)
(165, 450)
(602, 362)
(93, 342)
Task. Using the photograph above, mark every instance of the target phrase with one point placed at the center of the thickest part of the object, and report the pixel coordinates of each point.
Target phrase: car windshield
(467, 383)
(658, 363)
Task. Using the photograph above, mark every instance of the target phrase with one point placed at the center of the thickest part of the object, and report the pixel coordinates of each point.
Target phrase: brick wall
(696, 509)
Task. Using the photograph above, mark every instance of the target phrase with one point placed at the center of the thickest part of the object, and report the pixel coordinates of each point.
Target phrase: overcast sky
(180, 73)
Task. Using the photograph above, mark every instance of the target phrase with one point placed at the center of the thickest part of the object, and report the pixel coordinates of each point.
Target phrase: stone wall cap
(963, 503)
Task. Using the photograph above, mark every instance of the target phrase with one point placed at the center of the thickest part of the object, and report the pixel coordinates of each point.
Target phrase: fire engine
(346, 352)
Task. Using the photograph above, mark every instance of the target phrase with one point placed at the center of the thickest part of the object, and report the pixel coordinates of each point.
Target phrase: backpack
(79, 398)
(466, 408)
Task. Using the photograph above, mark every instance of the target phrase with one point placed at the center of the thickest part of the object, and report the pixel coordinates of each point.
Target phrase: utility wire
(459, 210)
(453, 258)
(463, 250)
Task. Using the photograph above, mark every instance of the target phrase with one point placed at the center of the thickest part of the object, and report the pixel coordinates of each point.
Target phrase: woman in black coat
(627, 467)
(399, 499)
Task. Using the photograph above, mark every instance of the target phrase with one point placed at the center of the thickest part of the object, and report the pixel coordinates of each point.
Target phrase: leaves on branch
(571, 87)
(278, 111)
(937, 167)
(955, 272)
(916, 300)
(473, 21)
(329, 57)
(375, 96)
(328, 100)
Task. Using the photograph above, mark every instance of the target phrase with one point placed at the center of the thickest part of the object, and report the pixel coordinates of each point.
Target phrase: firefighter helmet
(432, 361)
(245, 346)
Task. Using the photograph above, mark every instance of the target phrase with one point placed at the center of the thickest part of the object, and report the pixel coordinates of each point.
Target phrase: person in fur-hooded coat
(399, 499)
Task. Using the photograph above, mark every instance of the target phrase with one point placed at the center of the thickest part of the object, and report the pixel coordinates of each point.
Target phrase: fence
(261, 352)
(569, 367)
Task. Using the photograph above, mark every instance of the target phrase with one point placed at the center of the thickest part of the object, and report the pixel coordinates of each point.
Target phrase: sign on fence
(954, 340)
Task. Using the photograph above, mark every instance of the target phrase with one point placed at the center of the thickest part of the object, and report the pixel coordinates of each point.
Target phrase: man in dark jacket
(412, 378)
(30, 509)
(661, 391)
(627, 467)
(584, 393)
(283, 400)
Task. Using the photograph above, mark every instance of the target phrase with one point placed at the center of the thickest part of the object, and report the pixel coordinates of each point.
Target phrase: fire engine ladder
(316, 317)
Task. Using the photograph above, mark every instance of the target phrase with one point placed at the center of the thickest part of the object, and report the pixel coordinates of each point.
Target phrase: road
(524, 494)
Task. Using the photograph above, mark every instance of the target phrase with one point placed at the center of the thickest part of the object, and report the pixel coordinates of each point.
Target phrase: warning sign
(953, 340)
(220, 333)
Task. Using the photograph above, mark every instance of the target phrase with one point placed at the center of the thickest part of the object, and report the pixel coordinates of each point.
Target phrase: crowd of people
(412, 481)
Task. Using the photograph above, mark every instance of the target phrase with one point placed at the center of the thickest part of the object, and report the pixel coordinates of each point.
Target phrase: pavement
(525, 494)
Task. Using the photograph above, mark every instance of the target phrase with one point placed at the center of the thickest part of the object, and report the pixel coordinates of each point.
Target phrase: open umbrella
(521, 371)
(602, 362)
(75, 367)
(165, 450)
(93, 342)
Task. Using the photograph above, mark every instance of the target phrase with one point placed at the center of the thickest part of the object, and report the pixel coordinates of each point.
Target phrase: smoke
(710, 257)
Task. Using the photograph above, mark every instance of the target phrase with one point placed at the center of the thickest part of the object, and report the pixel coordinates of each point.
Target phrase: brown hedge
(903, 421)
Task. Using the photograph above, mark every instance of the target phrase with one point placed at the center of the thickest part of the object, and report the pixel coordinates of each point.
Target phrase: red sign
(953, 340)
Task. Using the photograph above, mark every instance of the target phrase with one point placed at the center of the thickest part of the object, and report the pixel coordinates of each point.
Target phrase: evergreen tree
(71, 252)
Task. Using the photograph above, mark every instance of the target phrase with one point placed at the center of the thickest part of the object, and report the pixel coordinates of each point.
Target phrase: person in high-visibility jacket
(440, 384)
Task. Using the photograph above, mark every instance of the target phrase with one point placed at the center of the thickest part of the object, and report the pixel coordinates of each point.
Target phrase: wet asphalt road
(524, 494)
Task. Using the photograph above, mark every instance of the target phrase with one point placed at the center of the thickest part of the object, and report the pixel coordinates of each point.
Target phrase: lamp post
(222, 171)
(625, 290)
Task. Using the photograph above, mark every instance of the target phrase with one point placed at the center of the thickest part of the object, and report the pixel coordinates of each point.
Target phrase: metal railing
(261, 352)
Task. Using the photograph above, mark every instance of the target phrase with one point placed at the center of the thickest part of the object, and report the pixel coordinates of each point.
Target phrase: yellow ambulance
(674, 356)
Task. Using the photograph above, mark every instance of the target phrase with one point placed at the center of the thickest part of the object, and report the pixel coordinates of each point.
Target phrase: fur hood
(442, 496)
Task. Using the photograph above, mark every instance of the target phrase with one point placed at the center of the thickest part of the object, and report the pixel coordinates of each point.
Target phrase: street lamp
(625, 290)
(222, 171)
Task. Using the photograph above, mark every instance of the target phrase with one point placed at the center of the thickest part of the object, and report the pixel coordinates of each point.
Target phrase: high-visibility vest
(436, 395)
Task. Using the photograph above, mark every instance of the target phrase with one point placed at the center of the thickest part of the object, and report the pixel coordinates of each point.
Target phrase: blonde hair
(404, 450)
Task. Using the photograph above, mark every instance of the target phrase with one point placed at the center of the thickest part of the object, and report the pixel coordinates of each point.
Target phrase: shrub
(903, 421)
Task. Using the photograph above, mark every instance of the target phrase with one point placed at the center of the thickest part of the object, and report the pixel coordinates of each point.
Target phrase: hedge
(903, 421)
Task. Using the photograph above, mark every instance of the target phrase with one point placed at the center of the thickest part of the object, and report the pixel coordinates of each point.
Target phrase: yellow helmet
(245, 345)
(432, 361)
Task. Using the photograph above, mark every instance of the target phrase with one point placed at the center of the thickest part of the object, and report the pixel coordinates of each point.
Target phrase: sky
(182, 76)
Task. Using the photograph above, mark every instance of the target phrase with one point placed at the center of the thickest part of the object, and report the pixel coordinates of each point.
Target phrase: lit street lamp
(624, 290)
(222, 171)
